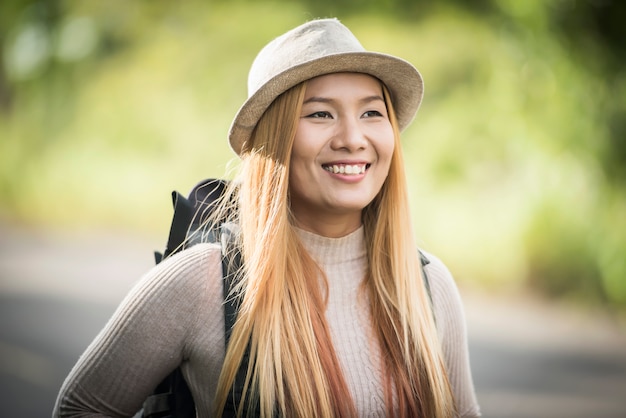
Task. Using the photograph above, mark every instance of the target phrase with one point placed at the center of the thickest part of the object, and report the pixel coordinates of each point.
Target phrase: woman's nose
(350, 136)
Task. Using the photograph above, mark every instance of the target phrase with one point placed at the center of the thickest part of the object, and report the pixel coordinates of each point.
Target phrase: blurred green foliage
(517, 159)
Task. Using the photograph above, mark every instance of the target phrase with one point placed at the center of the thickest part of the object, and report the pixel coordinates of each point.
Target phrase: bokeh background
(516, 160)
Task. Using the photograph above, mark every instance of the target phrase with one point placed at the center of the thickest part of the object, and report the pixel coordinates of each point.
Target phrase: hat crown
(308, 42)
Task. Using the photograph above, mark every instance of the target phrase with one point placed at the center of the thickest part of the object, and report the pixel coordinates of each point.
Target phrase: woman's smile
(348, 169)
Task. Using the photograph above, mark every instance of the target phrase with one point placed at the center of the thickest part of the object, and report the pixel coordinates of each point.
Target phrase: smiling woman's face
(341, 153)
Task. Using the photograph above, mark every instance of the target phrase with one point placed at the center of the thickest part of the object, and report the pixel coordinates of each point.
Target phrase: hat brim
(404, 82)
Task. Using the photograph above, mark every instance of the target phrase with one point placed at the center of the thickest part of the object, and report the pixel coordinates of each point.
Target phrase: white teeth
(345, 169)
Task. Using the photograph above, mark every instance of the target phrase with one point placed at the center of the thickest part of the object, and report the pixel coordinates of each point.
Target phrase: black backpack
(172, 397)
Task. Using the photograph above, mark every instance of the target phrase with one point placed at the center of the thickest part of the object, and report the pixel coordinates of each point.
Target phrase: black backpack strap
(231, 264)
(424, 261)
(183, 213)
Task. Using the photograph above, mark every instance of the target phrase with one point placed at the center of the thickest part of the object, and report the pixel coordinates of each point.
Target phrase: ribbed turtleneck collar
(328, 251)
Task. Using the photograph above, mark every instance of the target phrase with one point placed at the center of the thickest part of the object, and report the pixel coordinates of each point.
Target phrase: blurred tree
(595, 34)
(32, 22)
(602, 20)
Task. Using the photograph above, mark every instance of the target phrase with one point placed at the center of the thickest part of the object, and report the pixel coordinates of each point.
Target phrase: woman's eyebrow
(373, 98)
(317, 99)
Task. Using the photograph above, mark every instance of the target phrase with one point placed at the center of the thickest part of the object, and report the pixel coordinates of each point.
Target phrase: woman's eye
(319, 115)
(372, 113)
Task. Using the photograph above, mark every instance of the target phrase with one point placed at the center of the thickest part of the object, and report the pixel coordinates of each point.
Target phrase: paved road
(530, 359)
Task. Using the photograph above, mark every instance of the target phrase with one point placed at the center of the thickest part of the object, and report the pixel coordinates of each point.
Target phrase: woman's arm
(448, 310)
(143, 341)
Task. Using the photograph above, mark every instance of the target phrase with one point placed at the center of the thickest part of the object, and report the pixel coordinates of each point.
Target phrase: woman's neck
(327, 251)
(335, 227)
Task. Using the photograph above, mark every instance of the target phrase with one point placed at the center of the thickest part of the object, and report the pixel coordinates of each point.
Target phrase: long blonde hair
(292, 367)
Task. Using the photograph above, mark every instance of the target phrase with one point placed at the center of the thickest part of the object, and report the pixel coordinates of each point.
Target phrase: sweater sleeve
(450, 317)
(147, 337)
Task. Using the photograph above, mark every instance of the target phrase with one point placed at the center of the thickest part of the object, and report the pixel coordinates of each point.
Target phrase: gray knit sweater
(174, 315)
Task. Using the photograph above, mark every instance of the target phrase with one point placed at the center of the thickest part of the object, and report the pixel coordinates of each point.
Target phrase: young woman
(336, 319)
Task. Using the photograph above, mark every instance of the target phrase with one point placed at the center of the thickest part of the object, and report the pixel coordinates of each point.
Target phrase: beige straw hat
(316, 48)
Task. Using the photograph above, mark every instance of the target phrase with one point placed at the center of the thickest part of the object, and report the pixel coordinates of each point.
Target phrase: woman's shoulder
(189, 272)
(193, 258)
